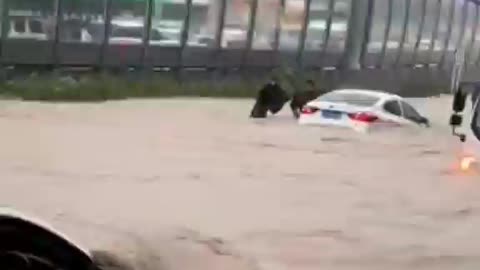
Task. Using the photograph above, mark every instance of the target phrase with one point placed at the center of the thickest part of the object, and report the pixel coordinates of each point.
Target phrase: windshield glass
(357, 99)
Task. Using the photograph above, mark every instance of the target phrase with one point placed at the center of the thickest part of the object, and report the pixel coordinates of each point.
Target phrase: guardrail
(333, 52)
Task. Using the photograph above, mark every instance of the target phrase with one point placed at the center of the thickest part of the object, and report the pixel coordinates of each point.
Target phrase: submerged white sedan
(361, 110)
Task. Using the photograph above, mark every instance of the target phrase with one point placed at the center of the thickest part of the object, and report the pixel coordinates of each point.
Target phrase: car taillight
(363, 117)
(309, 110)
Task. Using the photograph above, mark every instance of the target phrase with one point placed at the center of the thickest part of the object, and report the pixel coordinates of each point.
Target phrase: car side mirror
(459, 101)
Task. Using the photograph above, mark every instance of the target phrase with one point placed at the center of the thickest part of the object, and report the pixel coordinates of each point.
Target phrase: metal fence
(231, 34)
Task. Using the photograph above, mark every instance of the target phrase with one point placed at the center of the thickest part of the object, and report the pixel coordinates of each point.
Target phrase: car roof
(374, 93)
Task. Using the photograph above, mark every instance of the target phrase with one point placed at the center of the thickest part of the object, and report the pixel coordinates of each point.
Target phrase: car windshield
(357, 99)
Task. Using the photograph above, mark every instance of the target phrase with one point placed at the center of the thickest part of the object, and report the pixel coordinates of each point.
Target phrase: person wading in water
(301, 98)
(271, 98)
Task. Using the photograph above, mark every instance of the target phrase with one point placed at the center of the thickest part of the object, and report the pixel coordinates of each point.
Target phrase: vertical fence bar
(359, 25)
(386, 34)
(366, 32)
(219, 35)
(185, 31)
(58, 28)
(303, 33)
(474, 36)
(4, 28)
(451, 18)
(328, 29)
(433, 42)
(147, 26)
(404, 33)
(420, 32)
(461, 46)
(477, 7)
(278, 29)
(106, 34)
(460, 41)
(251, 30)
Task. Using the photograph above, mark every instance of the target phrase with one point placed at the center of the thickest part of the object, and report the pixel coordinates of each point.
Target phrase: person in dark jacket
(271, 98)
(301, 98)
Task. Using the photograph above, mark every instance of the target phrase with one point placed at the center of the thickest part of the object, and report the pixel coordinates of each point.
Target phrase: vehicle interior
(27, 246)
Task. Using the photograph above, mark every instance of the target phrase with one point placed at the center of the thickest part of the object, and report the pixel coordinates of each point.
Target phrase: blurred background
(344, 41)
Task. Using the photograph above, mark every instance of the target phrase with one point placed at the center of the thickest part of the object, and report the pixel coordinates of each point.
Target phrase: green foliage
(103, 86)
(107, 87)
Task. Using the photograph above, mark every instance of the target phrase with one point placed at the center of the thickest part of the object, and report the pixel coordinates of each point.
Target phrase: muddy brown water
(194, 184)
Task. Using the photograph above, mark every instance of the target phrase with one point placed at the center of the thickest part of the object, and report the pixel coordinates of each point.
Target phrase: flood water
(194, 184)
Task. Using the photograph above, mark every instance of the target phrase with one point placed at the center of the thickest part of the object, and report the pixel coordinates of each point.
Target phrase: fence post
(433, 42)
(146, 33)
(251, 31)
(106, 33)
(386, 35)
(58, 28)
(451, 17)
(303, 34)
(185, 33)
(219, 34)
(420, 32)
(404, 32)
(5, 27)
(328, 28)
(357, 34)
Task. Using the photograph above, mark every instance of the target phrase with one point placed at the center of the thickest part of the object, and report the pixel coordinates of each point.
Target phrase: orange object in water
(466, 163)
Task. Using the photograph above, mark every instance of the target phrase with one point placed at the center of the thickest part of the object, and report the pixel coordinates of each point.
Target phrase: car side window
(393, 107)
(409, 112)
